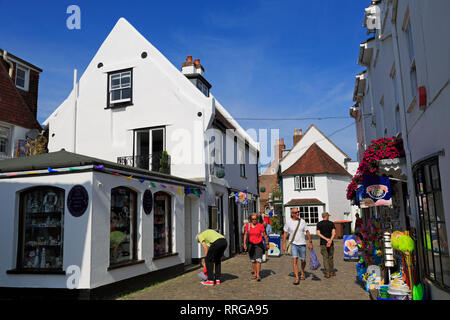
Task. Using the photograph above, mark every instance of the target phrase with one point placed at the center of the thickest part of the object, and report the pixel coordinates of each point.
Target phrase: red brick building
(19, 83)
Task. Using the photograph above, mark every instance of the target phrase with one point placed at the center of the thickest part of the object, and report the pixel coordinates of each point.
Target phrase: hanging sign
(77, 200)
(241, 197)
(376, 192)
(147, 202)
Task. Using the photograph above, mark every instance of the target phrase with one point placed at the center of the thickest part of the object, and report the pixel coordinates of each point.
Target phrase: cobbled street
(276, 282)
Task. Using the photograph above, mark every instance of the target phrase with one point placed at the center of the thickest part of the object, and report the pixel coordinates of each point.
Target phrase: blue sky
(264, 59)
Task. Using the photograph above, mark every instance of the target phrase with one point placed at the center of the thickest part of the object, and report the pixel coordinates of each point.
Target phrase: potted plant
(165, 163)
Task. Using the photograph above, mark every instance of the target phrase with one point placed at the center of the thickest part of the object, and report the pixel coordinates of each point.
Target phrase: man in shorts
(298, 249)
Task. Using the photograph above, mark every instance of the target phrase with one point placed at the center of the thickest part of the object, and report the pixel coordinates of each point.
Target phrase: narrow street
(276, 284)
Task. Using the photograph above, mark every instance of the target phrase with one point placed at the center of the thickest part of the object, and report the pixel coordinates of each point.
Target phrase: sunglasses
(254, 219)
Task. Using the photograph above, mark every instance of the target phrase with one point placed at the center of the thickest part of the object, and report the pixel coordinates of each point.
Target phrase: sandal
(302, 277)
(296, 282)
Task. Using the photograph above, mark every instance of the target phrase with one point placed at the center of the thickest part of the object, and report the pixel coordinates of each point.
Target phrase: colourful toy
(405, 243)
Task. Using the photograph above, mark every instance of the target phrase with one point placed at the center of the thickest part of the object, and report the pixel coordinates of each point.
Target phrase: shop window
(123, 235)
(162, 225)
(435, 253)
(41, 229)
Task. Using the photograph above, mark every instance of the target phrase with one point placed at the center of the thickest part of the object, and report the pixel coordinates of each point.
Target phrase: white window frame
(307, 183)
(297, 183)
(5, 134)
(306, 211)
(121, 74)
(26, 79)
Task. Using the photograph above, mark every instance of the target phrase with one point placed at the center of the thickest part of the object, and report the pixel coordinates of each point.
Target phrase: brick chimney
(297, 135)
(192, 67)
(279, 147)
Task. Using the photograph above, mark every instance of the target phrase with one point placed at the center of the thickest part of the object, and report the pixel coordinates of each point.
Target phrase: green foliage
(165, 163)
(277, 227)
(276, 194)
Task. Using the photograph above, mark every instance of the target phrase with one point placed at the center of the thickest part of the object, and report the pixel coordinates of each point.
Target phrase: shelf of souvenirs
(35, 244)
(41, 214)
(44, 225)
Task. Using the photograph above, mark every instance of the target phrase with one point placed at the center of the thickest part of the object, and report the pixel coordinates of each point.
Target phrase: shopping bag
(314, 263)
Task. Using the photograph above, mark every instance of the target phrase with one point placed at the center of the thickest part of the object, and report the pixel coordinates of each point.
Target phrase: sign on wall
(147, 201)
(77, 200)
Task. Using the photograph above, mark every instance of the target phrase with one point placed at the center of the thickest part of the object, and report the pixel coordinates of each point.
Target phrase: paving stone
(276, 282)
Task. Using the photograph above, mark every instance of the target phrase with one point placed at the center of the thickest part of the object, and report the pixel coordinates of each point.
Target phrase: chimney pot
(197, 61)
(189, 59)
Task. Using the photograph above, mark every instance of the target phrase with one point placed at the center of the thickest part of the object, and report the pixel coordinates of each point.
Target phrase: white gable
(311, 136)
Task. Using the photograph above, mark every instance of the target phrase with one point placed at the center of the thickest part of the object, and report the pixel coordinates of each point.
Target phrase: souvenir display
(161, 224)
(43, 218)
(123, 203)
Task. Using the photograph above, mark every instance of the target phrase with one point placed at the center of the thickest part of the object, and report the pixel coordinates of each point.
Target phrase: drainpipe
(75, 88)
(11, 66)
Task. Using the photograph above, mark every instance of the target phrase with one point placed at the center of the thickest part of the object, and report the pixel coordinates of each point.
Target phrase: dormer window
(120, 88)
(22, 78)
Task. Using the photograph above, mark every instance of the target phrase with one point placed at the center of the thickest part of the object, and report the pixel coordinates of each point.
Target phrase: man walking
(296, 228)
(327, 231)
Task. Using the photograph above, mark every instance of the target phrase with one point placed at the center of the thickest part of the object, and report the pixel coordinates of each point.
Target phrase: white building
(314, 177)
(131, 104)
(80, 227)
(404, 92)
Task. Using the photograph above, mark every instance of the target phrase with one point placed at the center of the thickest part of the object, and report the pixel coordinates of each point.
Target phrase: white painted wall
(313, 135)
(86, 239)
(77, 232)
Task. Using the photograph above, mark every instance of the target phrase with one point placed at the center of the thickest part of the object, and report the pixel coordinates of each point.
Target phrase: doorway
(149, 145)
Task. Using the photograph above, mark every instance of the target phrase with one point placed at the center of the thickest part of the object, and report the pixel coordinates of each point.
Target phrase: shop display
(161, 224)
(43, 226)
(123, 204)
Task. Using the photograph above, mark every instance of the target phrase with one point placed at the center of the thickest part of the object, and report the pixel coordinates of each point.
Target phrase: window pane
(123, 215)
(3, 143)
(440, 215)
(126, 93)
(431, 210)
(125, 82)
(115, 83)
(435, 183)
(162, 227)
(115, 95)
(43, 209)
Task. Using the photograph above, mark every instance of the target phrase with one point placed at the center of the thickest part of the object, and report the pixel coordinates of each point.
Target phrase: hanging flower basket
(384, 148)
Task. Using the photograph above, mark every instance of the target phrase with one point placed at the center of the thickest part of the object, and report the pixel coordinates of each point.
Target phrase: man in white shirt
(298, 249)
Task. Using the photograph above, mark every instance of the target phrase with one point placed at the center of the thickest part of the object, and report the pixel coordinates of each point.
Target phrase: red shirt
(255, 235)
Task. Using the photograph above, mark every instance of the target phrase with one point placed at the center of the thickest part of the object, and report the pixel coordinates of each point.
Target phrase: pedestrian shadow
(227, 276)
(266, 273)
(307, 276)
(323, 270)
